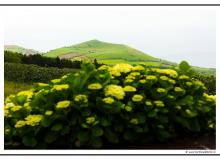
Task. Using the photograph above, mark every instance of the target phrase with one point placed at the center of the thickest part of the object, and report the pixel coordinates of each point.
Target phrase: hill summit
(18, 49)
(103, 52)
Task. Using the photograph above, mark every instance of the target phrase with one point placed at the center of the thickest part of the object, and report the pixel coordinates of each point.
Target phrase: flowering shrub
(116, 104)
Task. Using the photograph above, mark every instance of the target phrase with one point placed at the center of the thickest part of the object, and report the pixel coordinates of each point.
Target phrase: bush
(209, 82)
(12, 57)
(32, 73)
(108, 105)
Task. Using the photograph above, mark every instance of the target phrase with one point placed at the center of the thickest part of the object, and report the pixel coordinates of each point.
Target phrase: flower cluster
(31, 120)
(108, 100)
(95, 86)
(114, 91)
(81, 98)
(60, 87)
(63, 104)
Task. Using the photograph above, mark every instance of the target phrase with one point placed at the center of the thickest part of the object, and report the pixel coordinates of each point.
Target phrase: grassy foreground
(11, 87)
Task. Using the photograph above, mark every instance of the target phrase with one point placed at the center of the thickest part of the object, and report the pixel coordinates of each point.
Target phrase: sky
(174, 34)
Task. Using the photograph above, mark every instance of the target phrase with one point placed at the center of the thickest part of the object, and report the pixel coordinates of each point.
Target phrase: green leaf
(45, 122)
(141, 118)
(187, 100)
(111, 136)
(29, 141)
(50, 137)
(105, 122)
(97, 131)
(21, 99)
(129, 136)
(57, 127)
(83, 136)
(96, 143)
(152, 113)
(184, 122)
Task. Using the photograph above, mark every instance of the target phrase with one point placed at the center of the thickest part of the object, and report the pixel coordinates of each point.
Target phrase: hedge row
(32, 73)
(108, 105)
(40, 60)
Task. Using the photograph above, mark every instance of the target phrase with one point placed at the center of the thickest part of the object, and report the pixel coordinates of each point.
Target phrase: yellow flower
(142, 81)
(63, 104)
(189, 84)
(178, 89)
(131, 77)
(129, 80)
(134, 74)
(81, 98)
(128, 108)
(122, 68)
(95, 86)
(161, 90)
(164, 78)
(15, 108)
(134, 121)
(20, 124)
(129, 89)
(159, 103)
(6, 130)
(137, 98)
(90, 120)
(172, 81)
(108, 100)
(28, 93)
(170, 72)
(115, 91)
(151, 78)
(8, 99)
(148, 103)
(43, 84)
(103, 67)
(27, 106)
(56, 81)
(209, 98)
(9, 105)
(138, 68)
(199, 83)
(65, 76)
(6, 113)
(60, 87)
(48, 113)
(33, 120)
(183, 77)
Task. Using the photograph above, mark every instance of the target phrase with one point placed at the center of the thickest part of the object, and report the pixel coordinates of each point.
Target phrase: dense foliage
(108, 105)
(209, 82)
(32, 73)
(40, 60)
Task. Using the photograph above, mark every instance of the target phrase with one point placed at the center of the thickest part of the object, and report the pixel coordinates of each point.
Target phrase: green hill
(18, 49)
(108, 53)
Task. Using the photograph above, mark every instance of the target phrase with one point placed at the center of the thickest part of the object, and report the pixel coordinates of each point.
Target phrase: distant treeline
(37, 59)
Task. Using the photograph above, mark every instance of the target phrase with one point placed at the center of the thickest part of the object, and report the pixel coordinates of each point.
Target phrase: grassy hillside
(18, 49)
(103, 52)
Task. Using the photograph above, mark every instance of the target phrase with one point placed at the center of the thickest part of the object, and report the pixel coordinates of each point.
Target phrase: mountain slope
(18, 49)
(102, 51)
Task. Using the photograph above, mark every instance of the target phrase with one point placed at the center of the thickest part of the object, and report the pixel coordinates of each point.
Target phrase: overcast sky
(171, 34)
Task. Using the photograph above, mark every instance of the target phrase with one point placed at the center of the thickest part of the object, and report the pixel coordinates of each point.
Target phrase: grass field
(11, 87)
(115, 61)
(102, 51)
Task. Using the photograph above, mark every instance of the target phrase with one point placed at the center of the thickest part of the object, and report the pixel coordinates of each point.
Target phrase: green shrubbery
(209, 82)
(32, 73)
(108, 105)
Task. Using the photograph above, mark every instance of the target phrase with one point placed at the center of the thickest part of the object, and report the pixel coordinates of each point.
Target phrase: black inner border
(115, 6)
